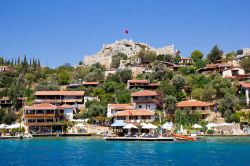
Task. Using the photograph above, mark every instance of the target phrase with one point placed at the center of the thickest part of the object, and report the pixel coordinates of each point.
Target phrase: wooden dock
(62, 135)
(139, 139)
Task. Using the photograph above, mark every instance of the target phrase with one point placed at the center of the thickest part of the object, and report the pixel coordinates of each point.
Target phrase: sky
(64, 31)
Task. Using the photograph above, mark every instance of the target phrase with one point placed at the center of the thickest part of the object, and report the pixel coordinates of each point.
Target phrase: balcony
(39, 115)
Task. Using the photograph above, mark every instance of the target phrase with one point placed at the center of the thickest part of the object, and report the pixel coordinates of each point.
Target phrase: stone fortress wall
(129, 47)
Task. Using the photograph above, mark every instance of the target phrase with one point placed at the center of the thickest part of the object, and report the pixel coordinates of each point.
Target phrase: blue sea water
(214, 151)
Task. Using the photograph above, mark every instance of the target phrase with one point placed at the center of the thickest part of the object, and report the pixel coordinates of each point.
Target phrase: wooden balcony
(44, 123)
(39, 115)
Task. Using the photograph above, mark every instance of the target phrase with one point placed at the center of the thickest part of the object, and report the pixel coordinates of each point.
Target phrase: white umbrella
(224, 124)
(15, 126)
(3, 126)
(130, 126)
(149, 126)
(181, 129)
(167, 125)
(80, 125)
(209, 125)
(143, 123)
(196, 126)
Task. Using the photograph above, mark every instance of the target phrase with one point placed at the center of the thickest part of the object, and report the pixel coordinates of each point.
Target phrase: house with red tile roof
(185, 60)
(114, 108)
(4, 68)
(60, 97)
(245, 89)
(134, 116)
(233, 71)
(205, 108)
(46, 118)
(145, 99)
(145, 84)
(88, 84)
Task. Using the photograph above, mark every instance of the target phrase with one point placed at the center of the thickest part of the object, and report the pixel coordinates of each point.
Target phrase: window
(121, 118)
(140, 106)
(49, 120)
(193, 108)
(40, 120)
(31, 120)
(203, 108)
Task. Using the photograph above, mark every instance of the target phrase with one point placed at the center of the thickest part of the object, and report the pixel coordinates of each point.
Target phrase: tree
(214, 55)
(245, 63)
(228, 106)
(124, 75)
(146, 56)
(170, 104)
(117, 58)
(178, 81)
(9, 118)
(231, 55)
(177, 59)
(123, 96)
(200, 64)
(166, 58)
(196, 55)
(187, 117)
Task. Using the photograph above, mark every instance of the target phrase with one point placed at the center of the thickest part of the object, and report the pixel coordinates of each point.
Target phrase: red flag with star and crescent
(126, 31)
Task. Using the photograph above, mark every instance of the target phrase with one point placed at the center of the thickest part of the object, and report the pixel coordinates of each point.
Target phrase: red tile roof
(144, 93)
(58, 93)
(138, 81)
(121, 106)
(186, 58)
(44, 106)
(90, 83)
(194, 103)
(47, 106)
(245, 84)
(134, 113)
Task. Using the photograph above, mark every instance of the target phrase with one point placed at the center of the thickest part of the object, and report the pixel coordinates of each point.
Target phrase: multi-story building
(145, 84)
(114, 108)
(134, 116)
(6, 102)
(185, 60)
(75, 98)
(205, 108)
(145, 99)
(47, 118)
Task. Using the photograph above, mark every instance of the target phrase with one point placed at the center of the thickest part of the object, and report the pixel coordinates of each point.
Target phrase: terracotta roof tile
(144, 93)
(138, 81)
(134, 113)
(194, 103)
(245, 84)
(121, 106)
(90, 83)
(57, 93)
(44, 106)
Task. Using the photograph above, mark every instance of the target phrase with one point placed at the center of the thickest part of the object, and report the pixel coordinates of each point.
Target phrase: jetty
(139, 139)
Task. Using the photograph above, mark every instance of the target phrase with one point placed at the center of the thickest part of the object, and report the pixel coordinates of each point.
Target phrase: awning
(119, 124)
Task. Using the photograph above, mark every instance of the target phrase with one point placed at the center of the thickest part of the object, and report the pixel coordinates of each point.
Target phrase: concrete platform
(139, 139)
(62, 135)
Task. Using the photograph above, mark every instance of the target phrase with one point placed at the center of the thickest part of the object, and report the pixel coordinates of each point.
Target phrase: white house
(246, 88)
(114, 108)
(134, 116)
(145, 99)
(234, 71)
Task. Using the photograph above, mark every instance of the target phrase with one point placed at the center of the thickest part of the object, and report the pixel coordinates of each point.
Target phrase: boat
(184, 137)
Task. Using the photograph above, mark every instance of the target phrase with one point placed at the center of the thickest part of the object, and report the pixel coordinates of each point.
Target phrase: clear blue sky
(60, 31)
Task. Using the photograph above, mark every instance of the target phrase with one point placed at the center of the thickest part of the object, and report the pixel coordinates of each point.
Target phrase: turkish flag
(126, 31)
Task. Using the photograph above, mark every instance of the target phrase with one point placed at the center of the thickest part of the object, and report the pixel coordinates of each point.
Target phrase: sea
(88, 151)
